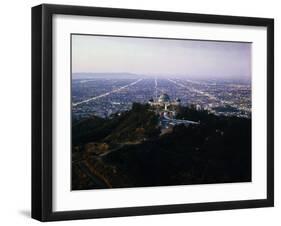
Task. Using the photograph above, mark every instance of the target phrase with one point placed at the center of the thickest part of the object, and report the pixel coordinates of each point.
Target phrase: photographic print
(139, 112)
(159, 112)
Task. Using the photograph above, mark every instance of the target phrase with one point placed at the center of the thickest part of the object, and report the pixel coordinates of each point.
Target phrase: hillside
(126, 150)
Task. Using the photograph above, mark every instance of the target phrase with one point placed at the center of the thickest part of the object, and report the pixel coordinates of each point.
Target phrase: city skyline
(161, 57)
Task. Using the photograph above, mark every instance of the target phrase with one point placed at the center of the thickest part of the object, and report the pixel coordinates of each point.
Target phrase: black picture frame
(42, 111)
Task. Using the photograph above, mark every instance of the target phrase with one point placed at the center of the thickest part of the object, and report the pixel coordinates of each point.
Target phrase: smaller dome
(164, 98)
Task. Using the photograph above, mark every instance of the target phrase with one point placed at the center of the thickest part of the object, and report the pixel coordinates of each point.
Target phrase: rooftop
(164, 98)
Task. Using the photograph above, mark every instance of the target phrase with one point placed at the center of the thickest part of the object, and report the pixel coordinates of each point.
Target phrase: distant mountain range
(120, 75)
(128, 75)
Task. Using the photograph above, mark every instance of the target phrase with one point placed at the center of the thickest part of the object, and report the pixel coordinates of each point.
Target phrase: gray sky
(198, 59)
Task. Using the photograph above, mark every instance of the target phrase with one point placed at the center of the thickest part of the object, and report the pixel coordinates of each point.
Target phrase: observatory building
(167, 110)
(165, 102)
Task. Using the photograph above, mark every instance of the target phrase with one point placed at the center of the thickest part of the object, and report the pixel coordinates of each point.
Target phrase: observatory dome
(164, 98)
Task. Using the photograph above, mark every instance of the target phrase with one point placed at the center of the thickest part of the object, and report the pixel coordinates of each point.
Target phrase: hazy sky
(161, 56)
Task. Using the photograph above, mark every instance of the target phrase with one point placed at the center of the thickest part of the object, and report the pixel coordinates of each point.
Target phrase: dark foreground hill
(127, 150)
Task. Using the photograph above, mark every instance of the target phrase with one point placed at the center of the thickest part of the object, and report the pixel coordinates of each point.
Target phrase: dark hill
(132, 126)
(216, 151)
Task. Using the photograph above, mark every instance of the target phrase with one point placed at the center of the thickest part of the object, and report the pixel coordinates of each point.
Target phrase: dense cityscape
(102, 96)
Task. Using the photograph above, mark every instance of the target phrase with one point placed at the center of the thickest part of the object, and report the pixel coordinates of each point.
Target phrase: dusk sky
(198, 59)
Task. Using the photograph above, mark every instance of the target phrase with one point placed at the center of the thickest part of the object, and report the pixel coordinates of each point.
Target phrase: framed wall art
(145, 112)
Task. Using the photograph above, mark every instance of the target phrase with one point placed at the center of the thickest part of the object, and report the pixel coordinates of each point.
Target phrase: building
(167, 111)
(164, 103)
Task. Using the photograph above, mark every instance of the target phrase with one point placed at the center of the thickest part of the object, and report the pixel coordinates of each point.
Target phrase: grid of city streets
(105, 96)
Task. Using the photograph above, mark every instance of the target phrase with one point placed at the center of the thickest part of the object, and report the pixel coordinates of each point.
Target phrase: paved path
(97, 181)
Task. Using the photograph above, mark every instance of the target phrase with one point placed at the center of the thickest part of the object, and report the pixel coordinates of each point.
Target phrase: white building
(167, 111)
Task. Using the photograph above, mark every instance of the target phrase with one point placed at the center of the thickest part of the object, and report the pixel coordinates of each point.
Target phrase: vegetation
(127, 150)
